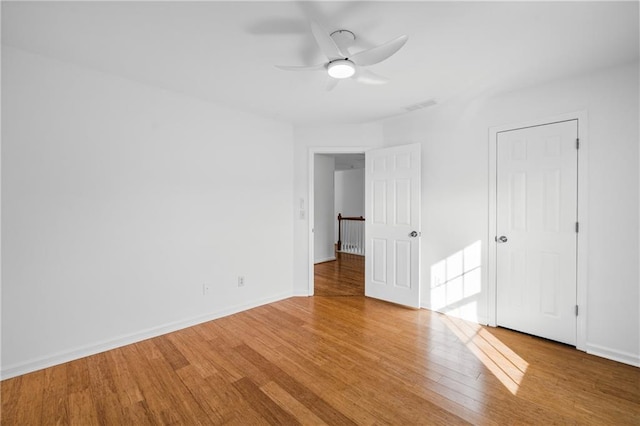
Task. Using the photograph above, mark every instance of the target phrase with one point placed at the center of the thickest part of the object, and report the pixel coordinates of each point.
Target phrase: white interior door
(536, 198)
(392, 263)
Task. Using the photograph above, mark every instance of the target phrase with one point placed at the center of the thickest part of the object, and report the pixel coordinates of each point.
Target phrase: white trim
(128, 339)
(612, 354)
(583, 239)
(582, 270)
(310, 196)
(353, 254)
(326, 259)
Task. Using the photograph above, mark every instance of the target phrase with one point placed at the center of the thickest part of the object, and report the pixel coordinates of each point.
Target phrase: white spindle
(352, 236)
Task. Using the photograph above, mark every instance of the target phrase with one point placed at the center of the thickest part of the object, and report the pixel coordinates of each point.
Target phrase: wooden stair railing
(352, 230)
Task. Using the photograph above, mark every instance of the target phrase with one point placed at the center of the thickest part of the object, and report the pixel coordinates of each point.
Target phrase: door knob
(501, 239)
(413, 234)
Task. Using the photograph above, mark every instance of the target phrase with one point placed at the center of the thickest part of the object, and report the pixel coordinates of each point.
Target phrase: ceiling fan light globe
(341, 68)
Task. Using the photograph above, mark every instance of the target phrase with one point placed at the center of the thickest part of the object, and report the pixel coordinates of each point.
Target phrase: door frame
(311, 202)
(582, 214)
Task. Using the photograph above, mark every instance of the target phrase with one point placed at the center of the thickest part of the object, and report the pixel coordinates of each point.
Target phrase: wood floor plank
(55, 407)
(289, 403)
(29, 399)
(78, 378)
(139, 368)
(206, 396)
(303, 394)
(342, 277)
(10, 391)
(190, 343)
(82, 409)
(222, 356)
(125, 387)
(104, 391)
(137, 414)
(174, 357)
(342, 359)
(324, 383)
(266, 407)
(180, 403)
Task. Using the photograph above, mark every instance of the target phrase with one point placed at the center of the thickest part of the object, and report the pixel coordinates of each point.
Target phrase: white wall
(349, 195)
(119, 201)
(454, 138)
(323, 222)
(349, 189)
(306, 138)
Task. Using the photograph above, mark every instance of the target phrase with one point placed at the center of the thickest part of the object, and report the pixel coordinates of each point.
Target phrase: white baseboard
(348, 252)
(326, 259)
(88, 350)
(614, 355)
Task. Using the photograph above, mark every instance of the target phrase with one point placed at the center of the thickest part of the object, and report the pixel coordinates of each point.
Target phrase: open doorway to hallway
(338, 189)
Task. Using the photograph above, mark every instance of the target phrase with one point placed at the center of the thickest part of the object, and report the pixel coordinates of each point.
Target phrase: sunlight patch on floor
(456, 283)
(503, 362)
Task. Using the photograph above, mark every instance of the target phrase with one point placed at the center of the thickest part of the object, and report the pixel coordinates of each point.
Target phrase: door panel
(536, 212)
(379, 261)
(392, 271)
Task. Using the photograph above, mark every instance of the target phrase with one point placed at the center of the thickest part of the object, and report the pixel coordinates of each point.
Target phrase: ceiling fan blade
(302, 68)
(379, 53)
(331, 83)
(326, 43)
(368, 77)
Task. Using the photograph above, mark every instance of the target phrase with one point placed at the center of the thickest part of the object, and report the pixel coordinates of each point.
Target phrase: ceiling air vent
(421, 105)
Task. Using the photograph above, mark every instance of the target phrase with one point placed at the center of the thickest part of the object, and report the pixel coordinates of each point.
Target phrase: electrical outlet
(240, 281)
(206, 289)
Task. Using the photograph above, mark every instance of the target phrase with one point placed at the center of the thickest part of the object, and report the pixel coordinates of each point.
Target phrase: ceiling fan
(341, 64)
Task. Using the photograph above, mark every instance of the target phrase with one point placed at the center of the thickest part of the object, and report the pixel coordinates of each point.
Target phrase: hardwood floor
(330, 360)
(341, 277)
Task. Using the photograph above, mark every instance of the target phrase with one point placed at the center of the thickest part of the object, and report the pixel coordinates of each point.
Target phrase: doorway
(336, 187)
(536, 282)
(392, 229)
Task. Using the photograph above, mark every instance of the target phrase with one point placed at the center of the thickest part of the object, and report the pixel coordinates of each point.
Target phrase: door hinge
(576, 310)
(577, 143)
(577, 227)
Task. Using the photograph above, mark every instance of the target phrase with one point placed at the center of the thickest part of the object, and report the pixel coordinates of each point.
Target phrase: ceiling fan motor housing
(341, 68)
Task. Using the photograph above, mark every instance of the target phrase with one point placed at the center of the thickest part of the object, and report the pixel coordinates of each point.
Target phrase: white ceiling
(226, 51)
